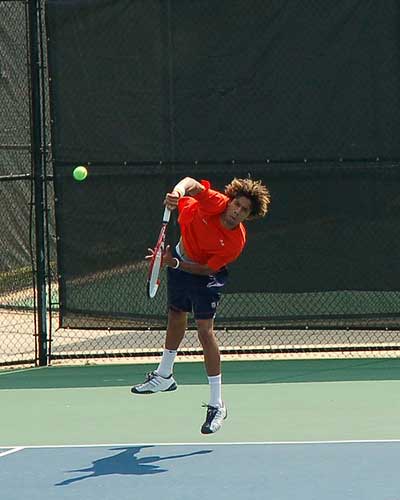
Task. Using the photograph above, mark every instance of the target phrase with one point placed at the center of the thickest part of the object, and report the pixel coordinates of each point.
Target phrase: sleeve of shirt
(210, 201)
(186, 209)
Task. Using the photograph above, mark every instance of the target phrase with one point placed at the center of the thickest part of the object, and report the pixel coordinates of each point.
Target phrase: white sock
(167, 362)
(215, 390)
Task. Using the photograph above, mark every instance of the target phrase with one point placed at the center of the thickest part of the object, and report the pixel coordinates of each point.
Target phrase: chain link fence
(17, 324)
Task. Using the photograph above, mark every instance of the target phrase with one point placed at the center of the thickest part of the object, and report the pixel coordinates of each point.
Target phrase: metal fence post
(37, 149)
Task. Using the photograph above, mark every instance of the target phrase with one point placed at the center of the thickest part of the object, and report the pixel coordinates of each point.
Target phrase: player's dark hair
(255, 191)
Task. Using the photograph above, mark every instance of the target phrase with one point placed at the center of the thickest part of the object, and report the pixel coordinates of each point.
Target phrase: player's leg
(205, 303)
(161, 379)
(212, 358)
(216, 409)
(177, 323)
(179, 305)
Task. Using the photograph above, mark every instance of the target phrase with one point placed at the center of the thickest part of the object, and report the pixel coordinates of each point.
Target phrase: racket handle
(167, 215)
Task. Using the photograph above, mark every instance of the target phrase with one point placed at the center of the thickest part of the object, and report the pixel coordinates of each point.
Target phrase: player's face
(237, 211)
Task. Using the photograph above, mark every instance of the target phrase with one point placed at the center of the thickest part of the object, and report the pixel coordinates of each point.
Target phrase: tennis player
(212, 236)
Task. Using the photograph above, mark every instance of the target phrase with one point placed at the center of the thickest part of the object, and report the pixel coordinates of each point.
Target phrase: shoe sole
(172, 387)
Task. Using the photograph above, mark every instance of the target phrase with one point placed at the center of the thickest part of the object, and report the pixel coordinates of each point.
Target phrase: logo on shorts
(213, 305)
(205, 221)
(222, 242)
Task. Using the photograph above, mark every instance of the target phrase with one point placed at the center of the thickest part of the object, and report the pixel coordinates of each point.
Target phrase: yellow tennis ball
(80, 173)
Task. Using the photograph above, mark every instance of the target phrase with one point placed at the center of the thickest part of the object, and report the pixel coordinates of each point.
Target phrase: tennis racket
(153, 279)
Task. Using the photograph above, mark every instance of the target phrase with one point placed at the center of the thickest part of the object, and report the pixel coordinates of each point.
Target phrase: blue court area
(278, 471)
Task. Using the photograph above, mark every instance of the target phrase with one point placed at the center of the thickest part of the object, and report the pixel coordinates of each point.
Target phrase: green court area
(268, 401)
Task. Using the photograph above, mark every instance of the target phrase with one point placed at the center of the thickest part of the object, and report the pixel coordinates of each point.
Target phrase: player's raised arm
(187, 186)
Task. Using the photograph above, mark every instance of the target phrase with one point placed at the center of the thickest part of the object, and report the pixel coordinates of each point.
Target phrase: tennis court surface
(307, 429)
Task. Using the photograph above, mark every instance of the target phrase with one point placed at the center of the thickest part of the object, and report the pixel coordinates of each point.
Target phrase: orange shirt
(205, 239)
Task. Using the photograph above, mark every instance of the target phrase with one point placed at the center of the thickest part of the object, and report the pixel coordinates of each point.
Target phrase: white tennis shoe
(214, 418)
(155, 383)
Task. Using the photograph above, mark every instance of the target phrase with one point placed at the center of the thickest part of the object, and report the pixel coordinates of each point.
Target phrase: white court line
(20, 370)
(13, 450)
(202, 443)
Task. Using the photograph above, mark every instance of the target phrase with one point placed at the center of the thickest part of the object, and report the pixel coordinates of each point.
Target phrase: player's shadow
(126, 463)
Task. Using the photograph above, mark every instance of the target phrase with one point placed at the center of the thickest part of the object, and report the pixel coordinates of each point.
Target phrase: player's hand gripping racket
(153, 280)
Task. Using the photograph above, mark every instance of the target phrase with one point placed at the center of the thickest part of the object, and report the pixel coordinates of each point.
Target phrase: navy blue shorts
(194, 293)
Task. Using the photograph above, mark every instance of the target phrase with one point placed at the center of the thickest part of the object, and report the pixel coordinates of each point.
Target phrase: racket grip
(167, 215)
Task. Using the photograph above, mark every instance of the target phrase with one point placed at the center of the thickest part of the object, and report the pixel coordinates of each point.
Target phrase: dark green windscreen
(301, 96)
